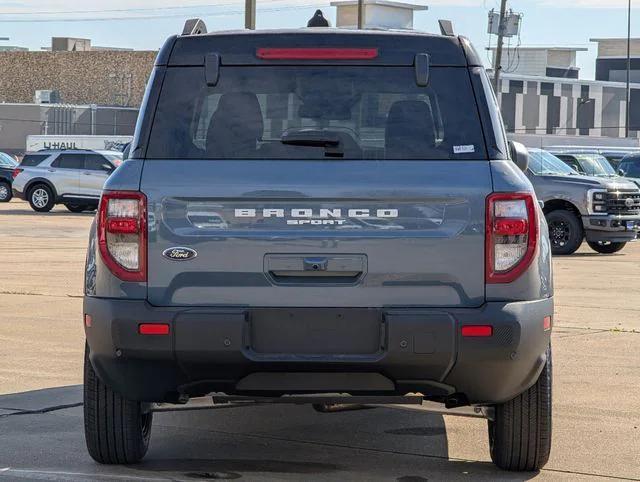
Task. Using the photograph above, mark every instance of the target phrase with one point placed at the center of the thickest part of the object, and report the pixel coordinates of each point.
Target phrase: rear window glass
(31, 160)
(305, 112)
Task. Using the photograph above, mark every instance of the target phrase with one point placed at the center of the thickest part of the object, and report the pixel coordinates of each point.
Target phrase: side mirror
(519, 155)
(621, 172)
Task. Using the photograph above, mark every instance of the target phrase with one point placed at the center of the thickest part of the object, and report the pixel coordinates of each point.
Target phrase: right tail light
(511, 235)
(122, 234)
(15, 172)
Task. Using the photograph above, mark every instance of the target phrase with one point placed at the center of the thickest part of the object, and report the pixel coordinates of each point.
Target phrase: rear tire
(520, 435)
(5, 192)
(565, 231)
(606, 247)
(41, 198)
(116, 430)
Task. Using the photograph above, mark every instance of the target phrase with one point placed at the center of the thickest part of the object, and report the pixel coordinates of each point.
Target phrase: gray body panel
(537, 281)
(431, 255)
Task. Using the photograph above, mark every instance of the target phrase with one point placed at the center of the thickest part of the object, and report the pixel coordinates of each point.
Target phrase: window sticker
(464, 149)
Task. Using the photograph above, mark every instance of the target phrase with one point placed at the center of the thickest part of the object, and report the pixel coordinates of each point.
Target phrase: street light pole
(360, 14)
(628, 118)
(498, 60)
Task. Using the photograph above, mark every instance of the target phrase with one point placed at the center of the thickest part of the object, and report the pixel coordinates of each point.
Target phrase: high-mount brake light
(511, 235)
(323, 53)
(122, 234)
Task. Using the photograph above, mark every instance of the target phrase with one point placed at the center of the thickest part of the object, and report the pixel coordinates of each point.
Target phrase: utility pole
(628, 117)
(360, 14)
(250, 14)
(497, 65)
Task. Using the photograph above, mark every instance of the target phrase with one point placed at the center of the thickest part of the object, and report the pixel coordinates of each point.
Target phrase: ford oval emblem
(179, 253)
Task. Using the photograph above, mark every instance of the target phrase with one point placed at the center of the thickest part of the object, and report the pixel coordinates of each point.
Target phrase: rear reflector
(477, 330)
(316, 54)
(153, 329)
(88, 321)
(546, 323)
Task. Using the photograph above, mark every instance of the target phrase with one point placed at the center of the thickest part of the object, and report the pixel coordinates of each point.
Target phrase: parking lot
(596, 345)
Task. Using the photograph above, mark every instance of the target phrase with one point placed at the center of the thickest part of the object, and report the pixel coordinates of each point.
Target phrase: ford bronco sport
(325, 216)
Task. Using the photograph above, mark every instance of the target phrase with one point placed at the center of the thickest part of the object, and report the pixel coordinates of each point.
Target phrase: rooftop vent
(383, 14)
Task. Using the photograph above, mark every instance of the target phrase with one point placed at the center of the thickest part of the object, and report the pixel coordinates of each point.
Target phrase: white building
(540, 61)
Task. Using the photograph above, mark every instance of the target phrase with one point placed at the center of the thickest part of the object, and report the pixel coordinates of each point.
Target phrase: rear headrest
(410, 132)
(235, 126)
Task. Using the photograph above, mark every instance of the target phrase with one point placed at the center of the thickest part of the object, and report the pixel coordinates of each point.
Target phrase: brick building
(100, 77)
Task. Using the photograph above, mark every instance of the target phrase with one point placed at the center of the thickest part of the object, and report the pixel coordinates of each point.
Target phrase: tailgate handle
(315, 264)
(315, 269)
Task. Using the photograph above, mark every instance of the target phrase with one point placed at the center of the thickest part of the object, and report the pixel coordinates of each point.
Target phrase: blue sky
(31, 23)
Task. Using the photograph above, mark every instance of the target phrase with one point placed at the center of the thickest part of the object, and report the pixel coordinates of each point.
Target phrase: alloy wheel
(40, 198)
(560, 233)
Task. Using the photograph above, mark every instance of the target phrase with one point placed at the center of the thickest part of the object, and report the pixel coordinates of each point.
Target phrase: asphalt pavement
(596, 344)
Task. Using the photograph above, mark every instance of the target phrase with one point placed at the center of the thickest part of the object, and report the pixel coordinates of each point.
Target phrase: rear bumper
(321, 350)
(18, 194)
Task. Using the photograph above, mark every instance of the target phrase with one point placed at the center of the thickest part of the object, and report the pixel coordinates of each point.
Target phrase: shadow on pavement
(45, 440)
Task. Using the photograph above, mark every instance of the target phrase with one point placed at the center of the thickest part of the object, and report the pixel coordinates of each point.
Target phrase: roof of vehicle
(393, 47)
(634, 156)
(591, 149)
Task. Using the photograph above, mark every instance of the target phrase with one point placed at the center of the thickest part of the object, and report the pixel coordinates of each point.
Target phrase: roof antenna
(318, 20)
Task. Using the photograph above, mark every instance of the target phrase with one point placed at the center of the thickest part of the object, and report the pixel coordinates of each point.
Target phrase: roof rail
(194, 26)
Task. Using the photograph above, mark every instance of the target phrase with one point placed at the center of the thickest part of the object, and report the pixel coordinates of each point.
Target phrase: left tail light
(15, 172)
(511, 235)
(122, 234)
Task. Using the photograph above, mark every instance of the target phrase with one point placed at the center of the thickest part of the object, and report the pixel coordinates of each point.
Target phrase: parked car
(7, 165)
(588, 164)
(604, 211)
(71, 177)
(630, 168)
(613, 154)
(285, 143)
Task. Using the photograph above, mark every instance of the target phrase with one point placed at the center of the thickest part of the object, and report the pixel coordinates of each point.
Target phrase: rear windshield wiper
(314, 138)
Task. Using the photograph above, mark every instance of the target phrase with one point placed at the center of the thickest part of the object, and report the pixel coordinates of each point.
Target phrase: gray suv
(603, 210)
(71, 177)
(309, 216)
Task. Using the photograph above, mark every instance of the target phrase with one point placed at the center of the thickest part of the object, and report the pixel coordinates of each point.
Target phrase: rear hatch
(316, 177)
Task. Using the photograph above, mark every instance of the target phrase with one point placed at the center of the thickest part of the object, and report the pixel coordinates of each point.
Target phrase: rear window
(31, 160)
(310, 112)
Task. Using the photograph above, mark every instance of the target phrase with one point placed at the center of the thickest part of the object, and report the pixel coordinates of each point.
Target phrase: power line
(154, 17)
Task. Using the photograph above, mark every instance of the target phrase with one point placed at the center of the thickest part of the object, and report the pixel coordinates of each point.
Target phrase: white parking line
(88, 476)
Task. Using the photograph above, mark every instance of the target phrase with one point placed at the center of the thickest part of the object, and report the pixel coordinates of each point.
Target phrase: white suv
(70, 177)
